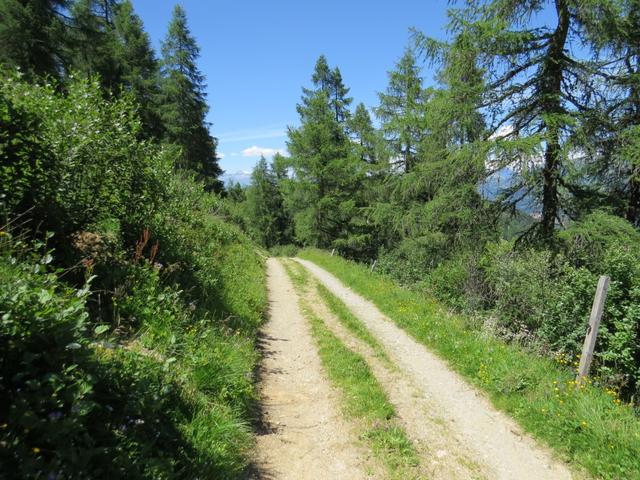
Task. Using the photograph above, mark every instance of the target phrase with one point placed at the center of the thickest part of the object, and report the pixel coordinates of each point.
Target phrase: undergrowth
(128, 308)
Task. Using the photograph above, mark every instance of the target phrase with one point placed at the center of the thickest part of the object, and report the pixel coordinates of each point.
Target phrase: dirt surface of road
(305, 436)
(492, 440)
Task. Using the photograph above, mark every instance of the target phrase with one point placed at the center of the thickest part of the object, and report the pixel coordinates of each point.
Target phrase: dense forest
(132, 281)
(505, 189)
(128, 308)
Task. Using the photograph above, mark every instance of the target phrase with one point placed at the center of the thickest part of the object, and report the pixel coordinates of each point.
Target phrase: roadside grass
(586, 425)
(363, 397)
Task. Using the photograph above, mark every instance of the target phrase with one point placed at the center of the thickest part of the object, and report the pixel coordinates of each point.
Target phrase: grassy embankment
(127, 330)
(363, 398)
(588, 425)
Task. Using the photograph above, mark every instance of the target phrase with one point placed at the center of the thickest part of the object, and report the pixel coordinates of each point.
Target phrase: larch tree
(32, 35)
(365, 136)
(401, 111)
(92, 44)
(183, 103)
(613, 129)
(139, 67)
(535, 95)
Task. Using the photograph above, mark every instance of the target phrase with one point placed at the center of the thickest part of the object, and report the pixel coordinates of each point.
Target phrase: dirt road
(305, 436)
(454, 426)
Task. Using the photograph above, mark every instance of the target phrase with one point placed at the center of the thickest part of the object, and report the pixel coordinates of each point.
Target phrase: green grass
(353, 323)
(363, 397)
(587, 426)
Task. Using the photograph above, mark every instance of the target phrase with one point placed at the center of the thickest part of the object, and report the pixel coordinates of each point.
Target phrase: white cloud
(257, 134)
(256, 151)
(221, 155)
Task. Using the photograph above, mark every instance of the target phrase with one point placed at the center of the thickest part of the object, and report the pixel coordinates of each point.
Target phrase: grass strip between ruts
(362, 396)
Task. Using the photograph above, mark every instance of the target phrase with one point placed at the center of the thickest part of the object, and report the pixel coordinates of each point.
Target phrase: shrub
(150, 375)
(284, 250)
(519, 284)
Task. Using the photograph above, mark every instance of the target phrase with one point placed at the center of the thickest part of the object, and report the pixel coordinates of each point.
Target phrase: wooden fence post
(592, 329)
(333, 251)
(373, 264)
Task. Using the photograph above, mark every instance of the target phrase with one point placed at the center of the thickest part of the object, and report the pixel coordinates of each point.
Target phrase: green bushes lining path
(589, 425)
(128, 308)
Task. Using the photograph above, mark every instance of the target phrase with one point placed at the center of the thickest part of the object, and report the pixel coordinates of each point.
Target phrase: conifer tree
(401, 111)
(184, 104)
(326, 171)
(268, 218)
(92, 45)
(613, 129)
(535, 95)
(365, 136)
(139, 68)
(32, 36)
(338, 94)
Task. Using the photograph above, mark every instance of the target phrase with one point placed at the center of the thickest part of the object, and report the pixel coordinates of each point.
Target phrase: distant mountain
(500, 180)
(241, 177)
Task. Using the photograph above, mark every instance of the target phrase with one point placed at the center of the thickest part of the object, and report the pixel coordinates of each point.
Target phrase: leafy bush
(79, 159)
(519, 285)
(149, 374)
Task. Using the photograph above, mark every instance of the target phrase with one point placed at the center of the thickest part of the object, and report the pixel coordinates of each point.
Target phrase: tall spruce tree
(183, 102)
(32, 35)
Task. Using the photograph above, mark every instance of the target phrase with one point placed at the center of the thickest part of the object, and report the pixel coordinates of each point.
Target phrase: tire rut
(304, 435)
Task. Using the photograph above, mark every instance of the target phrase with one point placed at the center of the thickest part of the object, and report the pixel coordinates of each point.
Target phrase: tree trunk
(551, 89)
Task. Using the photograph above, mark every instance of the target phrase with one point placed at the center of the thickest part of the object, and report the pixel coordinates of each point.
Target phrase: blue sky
(257, 55)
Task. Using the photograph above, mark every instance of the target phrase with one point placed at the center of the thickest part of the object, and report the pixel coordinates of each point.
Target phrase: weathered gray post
(373, 264)
(333, 251)
(592, 329)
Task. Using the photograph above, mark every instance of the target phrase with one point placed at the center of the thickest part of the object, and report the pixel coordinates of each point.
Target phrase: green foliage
(284, 250)
(93, 42)
(267, 219)
(452, 282)
(32, 36)
(400, 111)
(139, 68)
(587, 240)
(183, 106)
(87, 165)
(150, 374)
(324, 193)
(519, 284)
